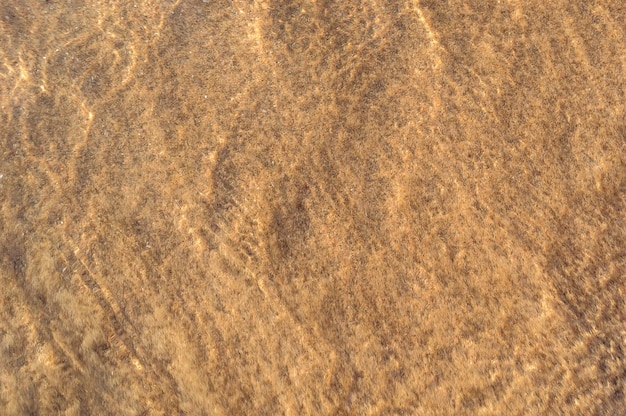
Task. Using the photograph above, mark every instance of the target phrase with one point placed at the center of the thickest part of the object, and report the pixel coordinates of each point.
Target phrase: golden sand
(312, 207)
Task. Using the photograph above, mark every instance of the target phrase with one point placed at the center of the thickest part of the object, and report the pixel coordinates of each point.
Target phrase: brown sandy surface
(312, 207)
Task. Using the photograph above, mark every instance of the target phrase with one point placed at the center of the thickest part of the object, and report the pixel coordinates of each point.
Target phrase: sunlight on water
(313, 207)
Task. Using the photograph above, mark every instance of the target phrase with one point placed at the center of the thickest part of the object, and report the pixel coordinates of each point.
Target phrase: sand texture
(269, 207)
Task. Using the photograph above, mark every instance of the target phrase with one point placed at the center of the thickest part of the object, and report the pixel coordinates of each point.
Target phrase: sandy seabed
(312, 207)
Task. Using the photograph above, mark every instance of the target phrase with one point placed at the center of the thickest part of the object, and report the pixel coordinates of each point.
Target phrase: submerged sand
(312, 207)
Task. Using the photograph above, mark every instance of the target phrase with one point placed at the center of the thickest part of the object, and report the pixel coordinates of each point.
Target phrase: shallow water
(316, 207)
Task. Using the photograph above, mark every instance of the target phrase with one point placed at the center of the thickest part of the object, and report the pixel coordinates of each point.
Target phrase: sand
(312, 207)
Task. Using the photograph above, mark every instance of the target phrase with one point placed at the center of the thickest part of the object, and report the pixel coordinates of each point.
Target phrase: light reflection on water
(308, 207)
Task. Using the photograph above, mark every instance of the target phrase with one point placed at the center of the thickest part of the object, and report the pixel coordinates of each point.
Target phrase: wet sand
(316, 207)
